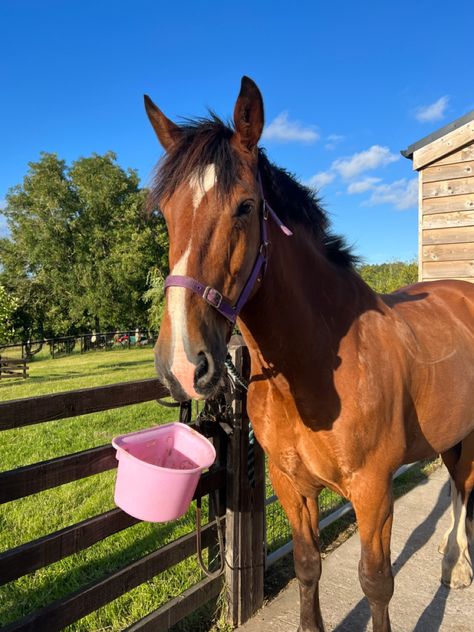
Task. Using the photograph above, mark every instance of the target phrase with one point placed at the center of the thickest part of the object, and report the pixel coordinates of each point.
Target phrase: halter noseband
(215, 298)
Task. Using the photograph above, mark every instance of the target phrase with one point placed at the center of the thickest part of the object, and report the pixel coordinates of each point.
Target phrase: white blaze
(181, 367)
(201, 185)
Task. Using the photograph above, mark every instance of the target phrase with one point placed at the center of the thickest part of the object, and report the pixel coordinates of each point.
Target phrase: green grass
(37, 515)
(80, 371)
(27, 445)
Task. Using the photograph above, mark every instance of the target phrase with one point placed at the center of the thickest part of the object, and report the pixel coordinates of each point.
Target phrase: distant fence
(13, 367)
(65, 345)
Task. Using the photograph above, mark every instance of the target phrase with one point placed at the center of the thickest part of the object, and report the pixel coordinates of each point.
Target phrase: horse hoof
(458, 576)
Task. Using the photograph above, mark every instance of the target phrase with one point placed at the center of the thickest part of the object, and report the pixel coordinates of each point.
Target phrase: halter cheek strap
(213, 297)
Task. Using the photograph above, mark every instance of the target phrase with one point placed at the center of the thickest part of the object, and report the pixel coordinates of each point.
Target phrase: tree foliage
(154, 297)
(80, 247)
(8, 306)
(387, 277)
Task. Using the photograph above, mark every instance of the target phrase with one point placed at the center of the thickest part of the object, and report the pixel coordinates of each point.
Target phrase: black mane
(206, 141)
(296, 203)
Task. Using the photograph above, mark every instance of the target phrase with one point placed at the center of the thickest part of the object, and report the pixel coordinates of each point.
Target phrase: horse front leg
(302, 513)
(373, 504)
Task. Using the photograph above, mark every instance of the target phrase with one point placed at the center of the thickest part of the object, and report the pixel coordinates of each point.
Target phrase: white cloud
(321, 179)
(432, 112)
(403, 194)
(372, 158)
(333, 140)
(283, 130)
(361, 186)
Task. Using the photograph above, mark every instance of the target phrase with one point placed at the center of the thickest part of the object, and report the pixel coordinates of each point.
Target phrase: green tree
(8, 305)
(80, 246)
(116, 244)
(387, 277)
(155, 297)
(36, 258)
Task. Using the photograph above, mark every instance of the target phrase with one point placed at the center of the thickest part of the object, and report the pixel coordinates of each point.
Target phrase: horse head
(208, 189)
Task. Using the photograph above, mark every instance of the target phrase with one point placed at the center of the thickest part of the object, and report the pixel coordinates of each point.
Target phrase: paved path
(420, 602)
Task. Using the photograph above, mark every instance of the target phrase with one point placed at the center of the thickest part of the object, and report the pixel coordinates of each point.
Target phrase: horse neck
(305, 303)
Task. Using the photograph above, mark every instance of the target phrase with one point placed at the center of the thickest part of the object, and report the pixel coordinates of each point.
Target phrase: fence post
(245, 515)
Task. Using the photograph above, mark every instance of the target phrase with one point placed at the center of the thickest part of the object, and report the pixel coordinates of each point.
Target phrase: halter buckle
(264, 249)
(212, 296)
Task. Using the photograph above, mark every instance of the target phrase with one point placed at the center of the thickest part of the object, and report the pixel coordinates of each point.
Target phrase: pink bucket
(159, 469)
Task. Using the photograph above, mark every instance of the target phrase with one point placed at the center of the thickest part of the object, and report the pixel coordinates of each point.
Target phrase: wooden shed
(445, 164)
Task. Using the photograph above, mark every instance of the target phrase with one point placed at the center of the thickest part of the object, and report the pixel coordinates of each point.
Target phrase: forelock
(202, 142)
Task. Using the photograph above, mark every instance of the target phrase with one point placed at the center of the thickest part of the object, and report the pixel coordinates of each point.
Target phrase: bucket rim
(120, 449)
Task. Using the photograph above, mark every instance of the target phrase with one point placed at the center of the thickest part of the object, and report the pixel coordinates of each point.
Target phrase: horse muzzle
(197, 379)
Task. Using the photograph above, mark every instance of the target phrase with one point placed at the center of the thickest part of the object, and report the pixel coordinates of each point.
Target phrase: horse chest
(303, 455)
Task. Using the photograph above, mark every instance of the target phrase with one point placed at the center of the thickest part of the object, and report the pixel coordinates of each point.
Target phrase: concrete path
(420, 603)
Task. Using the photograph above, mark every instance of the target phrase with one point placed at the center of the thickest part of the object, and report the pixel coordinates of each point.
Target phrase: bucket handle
(220, 537)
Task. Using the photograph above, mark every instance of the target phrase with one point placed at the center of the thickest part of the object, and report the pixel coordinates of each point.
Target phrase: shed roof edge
(442, 131)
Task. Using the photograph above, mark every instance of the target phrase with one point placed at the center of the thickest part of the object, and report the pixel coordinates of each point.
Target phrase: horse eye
(244, 209)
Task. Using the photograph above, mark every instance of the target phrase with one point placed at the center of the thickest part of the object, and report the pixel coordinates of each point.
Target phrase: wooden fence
(13, 367)
(241, 505)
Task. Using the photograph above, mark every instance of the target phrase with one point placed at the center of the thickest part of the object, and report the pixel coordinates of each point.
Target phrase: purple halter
(212, 296)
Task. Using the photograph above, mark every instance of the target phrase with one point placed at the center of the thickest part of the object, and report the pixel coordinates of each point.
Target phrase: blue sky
(346, 85)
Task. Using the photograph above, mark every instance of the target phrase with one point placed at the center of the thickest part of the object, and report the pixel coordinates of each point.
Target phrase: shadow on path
(359, 617)
(433, 614)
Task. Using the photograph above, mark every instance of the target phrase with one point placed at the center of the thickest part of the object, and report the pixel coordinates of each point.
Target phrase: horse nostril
(202, 366)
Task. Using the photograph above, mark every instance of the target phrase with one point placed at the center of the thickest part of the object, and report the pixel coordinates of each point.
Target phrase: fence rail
(31, 479)
(56, 546)
(71, 608)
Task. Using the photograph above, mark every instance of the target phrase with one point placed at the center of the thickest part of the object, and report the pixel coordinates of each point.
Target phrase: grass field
(43, 513)
(40, 514)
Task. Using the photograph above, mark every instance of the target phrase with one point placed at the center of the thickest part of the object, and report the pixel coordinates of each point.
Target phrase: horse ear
(248, 114)
(167, 132)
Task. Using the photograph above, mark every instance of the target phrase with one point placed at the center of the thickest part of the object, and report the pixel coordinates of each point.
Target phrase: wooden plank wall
(446, 229)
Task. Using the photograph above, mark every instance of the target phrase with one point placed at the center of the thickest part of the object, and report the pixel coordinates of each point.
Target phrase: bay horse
(346, 385)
